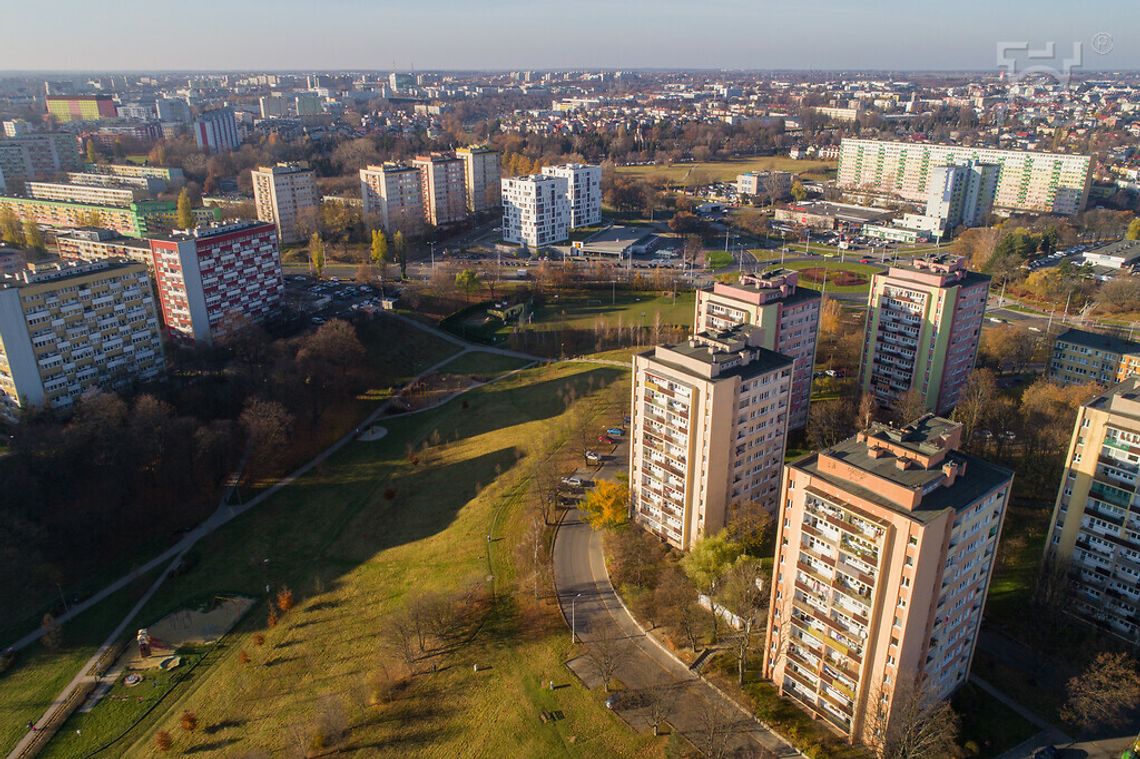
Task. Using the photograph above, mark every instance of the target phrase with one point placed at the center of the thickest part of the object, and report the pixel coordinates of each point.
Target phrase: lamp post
(574, 619)
(431, 247)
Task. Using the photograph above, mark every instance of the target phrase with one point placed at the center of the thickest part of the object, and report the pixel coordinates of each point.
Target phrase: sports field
(726, 171)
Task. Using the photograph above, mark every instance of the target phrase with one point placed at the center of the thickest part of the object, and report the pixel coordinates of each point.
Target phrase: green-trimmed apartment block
(923, 325)
(144, 218)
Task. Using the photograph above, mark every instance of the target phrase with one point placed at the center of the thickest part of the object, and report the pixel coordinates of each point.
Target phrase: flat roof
(617, 235)
(764, 360)
(827, 208)
(1098, 341)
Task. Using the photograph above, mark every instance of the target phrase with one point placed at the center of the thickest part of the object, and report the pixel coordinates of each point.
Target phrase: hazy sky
(513, 34)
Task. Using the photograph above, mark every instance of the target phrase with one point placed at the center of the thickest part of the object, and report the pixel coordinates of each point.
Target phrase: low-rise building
(1123, 254)
(99, 244)
(1080, 357)
(773, 184)
(822, 214)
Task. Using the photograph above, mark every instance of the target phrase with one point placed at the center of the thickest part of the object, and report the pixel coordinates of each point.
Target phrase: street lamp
(574, 619)
(431, 247)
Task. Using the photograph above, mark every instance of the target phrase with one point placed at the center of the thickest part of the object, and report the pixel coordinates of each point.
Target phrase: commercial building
(708, 424)
(286, 194)
(1080, 357)
(482, 177)
(583, 191)
(536, 211)
(1120, 255)
(957, 196)
(38, 156)
(140, 219)
(822, 214)
(1027, 181)
(216, 131)
(773, 184)
(443, 188)
(1093, 547)
(391, 195)
(66, 328)
(121, 197)
(82, 107)
(617, 243)
(99, 244)
(924, 322)
(885, 551)
(785, 318)
(211, 280)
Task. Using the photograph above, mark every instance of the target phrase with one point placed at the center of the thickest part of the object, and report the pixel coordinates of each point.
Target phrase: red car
(605, 439)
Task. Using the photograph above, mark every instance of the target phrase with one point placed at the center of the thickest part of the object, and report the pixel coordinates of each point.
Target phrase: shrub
(271, 618)
(285, 599)
(188, 721)
(259, 639)
(243, 656)
(163, 741)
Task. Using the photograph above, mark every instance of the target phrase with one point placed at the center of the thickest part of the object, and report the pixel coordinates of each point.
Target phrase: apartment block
(443, 188)
(956, 196)
(536, 211)
(774, 184)
(38, 156)
(1027, 181)
(885, 552)
(785, 319)
(140, 219)
(392, 196)
(66, 328)
(583, 191)
(482, 176)
(286, 194)
(1080, 357)
(172, 177)
(924, 322)
(709, 421)
(1094, 537)
(210, 280)
(94, 195)
(216, 131)
(99, 244)
(145, 185)
(82, 107)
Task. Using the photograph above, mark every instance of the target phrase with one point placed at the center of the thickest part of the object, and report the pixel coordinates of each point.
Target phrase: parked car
(605, 439)
(1049, 752)
(615, 431)
(573, 482)
(593, 456)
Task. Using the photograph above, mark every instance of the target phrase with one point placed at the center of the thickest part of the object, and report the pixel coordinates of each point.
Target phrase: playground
(186, 627)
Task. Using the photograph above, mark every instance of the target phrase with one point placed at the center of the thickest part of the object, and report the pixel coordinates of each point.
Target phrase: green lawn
(718, 259)
(863, 270)
(482, 365)
(354, 538)
(585, 309)
(725, 171)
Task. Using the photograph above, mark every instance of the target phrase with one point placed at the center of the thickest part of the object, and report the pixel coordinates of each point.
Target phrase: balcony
(1110, 493)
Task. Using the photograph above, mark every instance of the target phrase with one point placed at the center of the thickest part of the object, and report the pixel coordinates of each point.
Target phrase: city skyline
(670, 35)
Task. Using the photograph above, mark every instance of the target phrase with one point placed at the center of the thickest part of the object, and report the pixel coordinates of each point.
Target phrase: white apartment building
(536, 211)
(392, 197)
(95, 195)
(443, 187)
(286, 195)
(774, 184)
(483, 177)
(66, 328)
(583, 191)
(708, 425)
(1027, 181)
(957, 196)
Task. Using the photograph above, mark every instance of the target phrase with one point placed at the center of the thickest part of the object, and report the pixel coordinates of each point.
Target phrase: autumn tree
(637, 557)
(751, 526)
(914, 723)
(1105, 694)
(317, 254)
(163, 741)
(52, 633)
(267, 426)
(184, 214)
(974, 402)
(1133, 232)
(798, 191)
(467, 280)
(188, 721)
(33, 237)
(708, 561)
(607, 505)
(400, 248)
(675, 599)
(92, 152)
(11, 231)
(830, 422)
(379, 250)
(909, 406)
(285, 599)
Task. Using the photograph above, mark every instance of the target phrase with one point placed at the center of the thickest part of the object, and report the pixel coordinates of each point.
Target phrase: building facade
(98, 244)
(774, 184)
(1080, 357)
(443, 188)
(140, 219)
(536, 211)
(216, 131)
(67, 328)
(286, 194)
(1038, 182)
(924, 323)
(211, 279)
(886, 547)
(38, 156)
(785, 319)
(391, 194)
(82, 193)
(708, 425)
(583, 192)
(82, 107)
(172, 177)
(482, 176)
(1093, 548)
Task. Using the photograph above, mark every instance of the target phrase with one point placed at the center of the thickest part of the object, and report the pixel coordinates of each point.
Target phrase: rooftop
(723, 354)
(1098, 341)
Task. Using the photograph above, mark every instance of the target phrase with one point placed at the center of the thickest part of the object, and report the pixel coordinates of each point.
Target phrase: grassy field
(353, 539)
(582, 310)
(988, 724)
(726, 171)
(481, 365)
(863, 270)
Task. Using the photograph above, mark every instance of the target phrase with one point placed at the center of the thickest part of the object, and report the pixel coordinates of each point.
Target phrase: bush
(163, 741)
(285, 599)
(188, 721)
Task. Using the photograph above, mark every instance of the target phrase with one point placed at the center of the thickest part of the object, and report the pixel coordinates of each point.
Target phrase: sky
(304, 35)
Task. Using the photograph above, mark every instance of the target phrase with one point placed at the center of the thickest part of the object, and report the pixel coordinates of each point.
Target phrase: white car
(593, 456)
(573, 482)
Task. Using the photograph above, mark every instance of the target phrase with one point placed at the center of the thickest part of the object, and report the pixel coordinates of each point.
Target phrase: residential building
(482, 177)
(82, 193)
(785, 318)
(172, 111)
(172, 177)
(17, 128)
(42, 155)
(443, 188)
(774, 184)
(957, 196)
(216, 131)
(81, 107)
(708, 424)
(308, 104)
(286, 194)
(99, 244)
(583, 191)
(66, 328)
(1080, 357)
(1027, 181)
(211, 280)
(1093, 545)
(924, 322)
(273, 106)
(147, 185)
(140, 219)
(391, 195)
(536, 211)
(885, 552)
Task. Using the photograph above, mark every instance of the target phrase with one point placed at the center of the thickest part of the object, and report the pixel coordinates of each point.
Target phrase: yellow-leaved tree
(607, 505)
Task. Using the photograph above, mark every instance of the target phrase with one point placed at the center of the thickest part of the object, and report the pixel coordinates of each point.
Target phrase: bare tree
(1105, 694)
(1053, 582)
(399, 635)
(717, 730)
(605, 654)
(659, 701)
(911, 723)
(676, 599)
(746, 593)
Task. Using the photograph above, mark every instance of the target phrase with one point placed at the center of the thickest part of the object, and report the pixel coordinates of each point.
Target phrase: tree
(909, 406)
(267, 425)
(607, 505)
(401, 249)
(188, 721)
(1133, 232)
(92, 152)
(676, 600)
(184, 215)
(707, 562)
(750, 525)
(605, 654)
(798, 191)
(379, 250)
(830, 421)
(285, 599)
(11, 230)
(317, 254)
(52, 635)
(163, 741)
(974, 401)
(914, 724)
(467, 280)
(33, 237)
(1105, 694)
(684, 222)
(746, 595)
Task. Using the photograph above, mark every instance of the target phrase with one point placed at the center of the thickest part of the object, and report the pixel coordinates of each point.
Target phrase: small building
(617, 242)
(822, 214)
(1120, 255)
(1080, 357)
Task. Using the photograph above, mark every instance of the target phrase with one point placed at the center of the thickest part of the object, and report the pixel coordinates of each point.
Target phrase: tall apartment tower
(535, 210)
(443, 187)
(708, 424)
(1094, 538)
(392, 196)
(583, 190)
(216, 131)
(211, 279)
(286, 194)
(886, 547)
(482, 177)
(785, 318)
(923, 325)
(66, 328)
